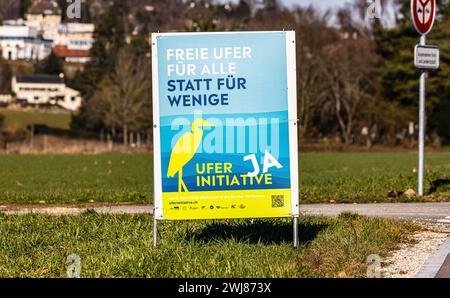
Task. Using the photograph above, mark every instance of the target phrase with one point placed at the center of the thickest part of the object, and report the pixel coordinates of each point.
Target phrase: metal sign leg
(155, 231)
(421, 125)
(295, 228)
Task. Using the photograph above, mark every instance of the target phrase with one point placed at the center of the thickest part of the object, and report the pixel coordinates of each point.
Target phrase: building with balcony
(20, 42)
(45, 91)
(45, 16)
(74, 41)
(41, 31)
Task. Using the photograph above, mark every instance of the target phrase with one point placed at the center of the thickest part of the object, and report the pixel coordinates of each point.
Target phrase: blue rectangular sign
(225, 125)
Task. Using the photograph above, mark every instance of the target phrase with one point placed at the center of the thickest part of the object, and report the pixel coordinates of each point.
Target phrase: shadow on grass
(256, 232)
(436, 184)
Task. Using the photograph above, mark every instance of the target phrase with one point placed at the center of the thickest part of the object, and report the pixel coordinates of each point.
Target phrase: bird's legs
(179, 181)
(181, 185)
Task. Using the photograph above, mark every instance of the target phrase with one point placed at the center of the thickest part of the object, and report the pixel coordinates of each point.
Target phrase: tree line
(356, 78)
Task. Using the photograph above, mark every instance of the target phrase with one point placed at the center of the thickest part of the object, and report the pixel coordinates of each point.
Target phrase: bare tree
(312, 37)
(124, 96)
(9, 9)
(5, 76)
(350, 80)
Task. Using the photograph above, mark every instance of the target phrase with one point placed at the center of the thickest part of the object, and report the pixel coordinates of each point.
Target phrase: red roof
(63, 51)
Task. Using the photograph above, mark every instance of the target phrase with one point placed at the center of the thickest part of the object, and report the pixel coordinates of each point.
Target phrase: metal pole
(155, 230)
(295, 232)
(421, 123)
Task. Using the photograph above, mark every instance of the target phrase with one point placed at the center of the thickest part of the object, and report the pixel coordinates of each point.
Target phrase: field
(120, 246)
(324, 177)
(76, 178)
(16, 120)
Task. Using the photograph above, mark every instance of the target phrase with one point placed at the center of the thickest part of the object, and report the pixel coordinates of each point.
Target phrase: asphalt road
(422, 212)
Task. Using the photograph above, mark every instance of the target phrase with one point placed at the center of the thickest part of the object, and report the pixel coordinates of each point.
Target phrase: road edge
(435, 262)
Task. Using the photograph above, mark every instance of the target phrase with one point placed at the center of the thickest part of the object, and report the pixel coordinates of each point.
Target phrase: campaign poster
(225, 125)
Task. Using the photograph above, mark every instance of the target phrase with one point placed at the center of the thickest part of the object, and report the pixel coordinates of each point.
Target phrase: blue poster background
(265, 97)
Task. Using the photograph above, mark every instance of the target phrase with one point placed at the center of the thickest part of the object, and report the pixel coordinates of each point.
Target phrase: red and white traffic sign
(423, 13)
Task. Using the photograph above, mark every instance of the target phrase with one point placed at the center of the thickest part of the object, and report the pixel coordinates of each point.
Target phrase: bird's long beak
(208, 124)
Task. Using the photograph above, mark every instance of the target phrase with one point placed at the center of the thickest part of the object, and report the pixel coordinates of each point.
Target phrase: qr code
(277, 201)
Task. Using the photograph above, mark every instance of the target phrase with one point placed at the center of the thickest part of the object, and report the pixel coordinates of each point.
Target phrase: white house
(20, 42)
(45, 16)
(41, 31)
(73, 42)
(76, 36)
(45, 90)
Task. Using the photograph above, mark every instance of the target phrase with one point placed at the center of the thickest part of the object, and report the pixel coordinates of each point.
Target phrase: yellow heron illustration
(184, 150)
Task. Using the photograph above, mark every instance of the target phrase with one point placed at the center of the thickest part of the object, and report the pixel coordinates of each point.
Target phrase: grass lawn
(76, 178)
(342, 177)
(18, 120)
(368, 177)
(120, 246)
